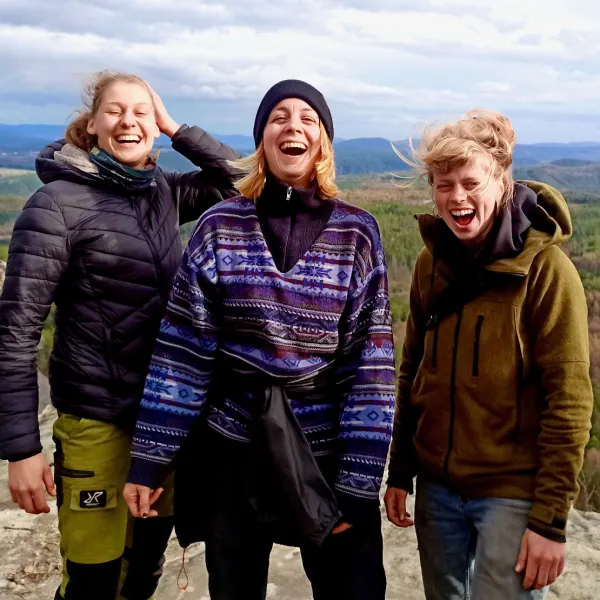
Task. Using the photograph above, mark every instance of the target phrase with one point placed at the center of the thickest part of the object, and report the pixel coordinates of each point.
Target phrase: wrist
(170, 128)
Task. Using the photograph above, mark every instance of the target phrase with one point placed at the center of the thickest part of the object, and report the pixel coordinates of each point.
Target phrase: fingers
(49, 481)
(26, 503)
(553, 572)
(39, 501)
(531, 572)
(391, 508)
(561, 567)
(341, 528)
(131, 495)
(144, 494)
(155, 495)
(522, 559)
(395, 506)
(542, 575)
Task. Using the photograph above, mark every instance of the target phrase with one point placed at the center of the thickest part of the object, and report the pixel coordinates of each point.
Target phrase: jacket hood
(49, 169)
(537, 217)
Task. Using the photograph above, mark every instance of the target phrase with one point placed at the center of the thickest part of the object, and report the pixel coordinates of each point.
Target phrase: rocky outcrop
(2, 273)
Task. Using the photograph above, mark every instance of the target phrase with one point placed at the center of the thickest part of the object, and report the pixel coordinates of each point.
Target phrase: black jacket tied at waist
(286, 487)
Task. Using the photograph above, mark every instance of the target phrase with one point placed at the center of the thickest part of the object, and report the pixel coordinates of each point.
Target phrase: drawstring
(182, 570)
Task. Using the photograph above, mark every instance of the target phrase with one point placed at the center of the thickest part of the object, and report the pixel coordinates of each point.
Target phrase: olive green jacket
(495, 399)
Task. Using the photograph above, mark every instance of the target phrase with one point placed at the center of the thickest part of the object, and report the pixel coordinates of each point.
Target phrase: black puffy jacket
(106, 258)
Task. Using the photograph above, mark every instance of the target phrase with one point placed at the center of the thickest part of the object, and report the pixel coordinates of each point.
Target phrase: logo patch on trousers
(92, 499)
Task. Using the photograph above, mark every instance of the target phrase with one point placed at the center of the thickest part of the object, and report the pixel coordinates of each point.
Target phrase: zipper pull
(288, 194)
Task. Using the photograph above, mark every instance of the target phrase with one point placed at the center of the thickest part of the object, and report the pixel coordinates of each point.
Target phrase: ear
(91, 126)
(156, 131)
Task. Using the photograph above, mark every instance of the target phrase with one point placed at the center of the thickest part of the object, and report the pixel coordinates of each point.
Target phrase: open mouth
(293, 148)
(128, 140)
(463, 217)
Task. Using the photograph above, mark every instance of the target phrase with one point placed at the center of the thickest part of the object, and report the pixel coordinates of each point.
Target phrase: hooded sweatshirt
(494, 396)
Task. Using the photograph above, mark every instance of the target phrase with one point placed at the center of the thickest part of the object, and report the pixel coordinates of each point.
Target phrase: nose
(128, 119)
(459, 193)
(294, 123)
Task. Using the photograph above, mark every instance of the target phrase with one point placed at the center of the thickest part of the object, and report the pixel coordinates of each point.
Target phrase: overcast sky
(385, 66)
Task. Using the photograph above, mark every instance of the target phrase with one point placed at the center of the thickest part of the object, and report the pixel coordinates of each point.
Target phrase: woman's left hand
(541, 559)
(140, 498)
(164, 121)
(343, 526)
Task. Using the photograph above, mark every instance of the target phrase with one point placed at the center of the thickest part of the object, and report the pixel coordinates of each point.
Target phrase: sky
(386, 67)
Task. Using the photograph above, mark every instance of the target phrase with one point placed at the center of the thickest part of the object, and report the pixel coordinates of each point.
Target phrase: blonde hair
(256, 167)
(479, 132)
(93, 91)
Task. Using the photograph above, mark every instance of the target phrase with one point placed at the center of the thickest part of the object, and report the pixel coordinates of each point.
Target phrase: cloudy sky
(385, 66)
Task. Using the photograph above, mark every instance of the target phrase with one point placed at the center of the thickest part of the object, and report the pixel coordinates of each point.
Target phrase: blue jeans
(469, 546)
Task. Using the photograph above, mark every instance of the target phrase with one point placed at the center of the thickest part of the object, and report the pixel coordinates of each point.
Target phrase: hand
(542, 560)
(395, 506)
(343, 526)
(140, 498)
(27, 479)
(164, 121)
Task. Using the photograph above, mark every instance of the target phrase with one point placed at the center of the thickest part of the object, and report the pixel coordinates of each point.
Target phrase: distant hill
(19, 145)
(564, 174)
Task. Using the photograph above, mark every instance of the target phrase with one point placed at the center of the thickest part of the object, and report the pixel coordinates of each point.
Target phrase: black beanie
(292, 88)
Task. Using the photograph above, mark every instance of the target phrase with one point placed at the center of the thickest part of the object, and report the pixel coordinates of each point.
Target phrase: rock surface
(30, 565)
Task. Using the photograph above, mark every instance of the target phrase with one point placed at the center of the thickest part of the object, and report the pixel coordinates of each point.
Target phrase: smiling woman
(280, 327)
(494, 394)
(101, 240)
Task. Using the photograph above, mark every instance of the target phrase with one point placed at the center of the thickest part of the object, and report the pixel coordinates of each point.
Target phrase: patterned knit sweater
(327, 317)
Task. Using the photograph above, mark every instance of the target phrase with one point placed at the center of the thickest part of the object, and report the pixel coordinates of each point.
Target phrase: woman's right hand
(27, 479)
(166, 124)
(395, 506)
(140, 498)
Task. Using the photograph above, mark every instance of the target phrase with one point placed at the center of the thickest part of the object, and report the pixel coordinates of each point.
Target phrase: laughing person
(101, 240)
(494, 398)
(276, 352)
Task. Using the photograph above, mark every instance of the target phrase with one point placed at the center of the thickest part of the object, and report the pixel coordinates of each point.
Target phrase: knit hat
(292, 88)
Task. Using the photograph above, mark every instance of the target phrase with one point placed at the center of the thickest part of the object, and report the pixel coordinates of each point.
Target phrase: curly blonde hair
(92, 94)
(255, 165)
(479, 132)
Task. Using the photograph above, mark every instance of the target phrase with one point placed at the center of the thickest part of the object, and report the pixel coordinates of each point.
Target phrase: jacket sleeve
(558, 317)
(366, 375)
(38, 257)
(196, 191)
(402, 467)
(180, 369)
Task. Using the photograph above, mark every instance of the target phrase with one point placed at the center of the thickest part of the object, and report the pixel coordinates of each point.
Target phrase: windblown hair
(93, 91)
(477, 133)
(256, 167)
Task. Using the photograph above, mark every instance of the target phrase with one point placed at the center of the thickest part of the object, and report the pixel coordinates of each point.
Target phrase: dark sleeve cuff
(146, 472)
(401, 481)
(181, 129)
(23, 455)
(551, 533)
(357, 511)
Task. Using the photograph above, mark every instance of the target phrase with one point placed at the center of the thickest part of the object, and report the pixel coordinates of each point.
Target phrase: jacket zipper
(288, 195)
(435, 344)
(452, 394)
(164, 294)
(519, 391)
(476, 347)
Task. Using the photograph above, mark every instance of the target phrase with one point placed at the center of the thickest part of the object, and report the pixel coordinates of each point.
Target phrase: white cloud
(383, 66)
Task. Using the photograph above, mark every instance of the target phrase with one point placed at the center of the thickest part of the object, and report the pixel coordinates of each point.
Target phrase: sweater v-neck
(291, 220)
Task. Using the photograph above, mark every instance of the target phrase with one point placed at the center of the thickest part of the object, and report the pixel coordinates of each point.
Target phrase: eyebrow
(136, 105)
(286, 110)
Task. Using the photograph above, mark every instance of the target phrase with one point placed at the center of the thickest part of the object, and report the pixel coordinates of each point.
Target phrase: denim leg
(445, 536)
(500, 525)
